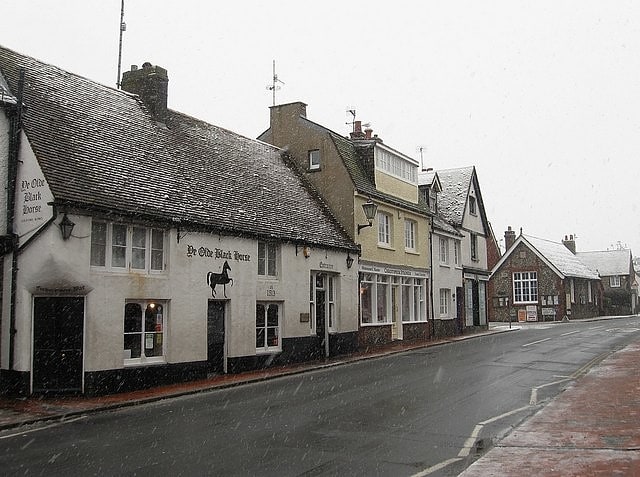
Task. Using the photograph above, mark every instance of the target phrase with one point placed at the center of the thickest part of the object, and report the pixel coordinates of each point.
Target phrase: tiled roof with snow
(425, 178)
(100, 149)
(561, 258)
(453, 198)
(609, 262)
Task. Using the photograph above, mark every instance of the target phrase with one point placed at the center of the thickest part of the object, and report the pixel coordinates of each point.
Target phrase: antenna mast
(273, 87)
(123, 28)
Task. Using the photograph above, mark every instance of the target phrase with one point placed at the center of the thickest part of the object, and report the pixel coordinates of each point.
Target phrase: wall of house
(297, 137)
(396, 253)
(393, 186)
(51, 266)
(617, 300)
(447, 276)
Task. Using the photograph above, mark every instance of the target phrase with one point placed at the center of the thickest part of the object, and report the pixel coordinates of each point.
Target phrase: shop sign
(217, 254)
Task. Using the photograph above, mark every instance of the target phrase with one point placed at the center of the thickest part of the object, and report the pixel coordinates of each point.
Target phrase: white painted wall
(50, 262)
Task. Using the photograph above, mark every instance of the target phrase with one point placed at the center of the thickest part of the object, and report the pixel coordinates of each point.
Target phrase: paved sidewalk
(17, 412)
(592, 428)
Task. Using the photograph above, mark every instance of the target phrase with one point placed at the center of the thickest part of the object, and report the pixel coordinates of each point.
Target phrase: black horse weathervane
(214, 279)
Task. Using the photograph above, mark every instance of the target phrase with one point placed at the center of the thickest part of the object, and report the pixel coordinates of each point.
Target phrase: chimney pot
(509, 238)
(367, 133)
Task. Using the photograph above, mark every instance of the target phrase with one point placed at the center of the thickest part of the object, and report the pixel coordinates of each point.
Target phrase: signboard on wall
(532, 313)
(32, 197)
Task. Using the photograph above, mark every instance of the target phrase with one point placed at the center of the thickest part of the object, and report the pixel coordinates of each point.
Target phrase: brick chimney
(151, 84)
(357, 131)
(509, 238)
(570, 243)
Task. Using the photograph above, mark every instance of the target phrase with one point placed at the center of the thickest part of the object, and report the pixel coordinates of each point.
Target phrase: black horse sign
(214, 279)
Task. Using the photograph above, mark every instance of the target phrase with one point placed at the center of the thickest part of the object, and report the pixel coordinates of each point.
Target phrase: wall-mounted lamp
(349, 260)
(306, 251)
(66, 227)
(369, 209)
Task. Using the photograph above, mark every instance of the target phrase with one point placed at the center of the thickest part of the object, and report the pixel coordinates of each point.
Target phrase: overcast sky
(542, 97)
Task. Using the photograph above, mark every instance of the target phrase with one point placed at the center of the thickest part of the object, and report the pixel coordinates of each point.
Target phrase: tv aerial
(274, 86)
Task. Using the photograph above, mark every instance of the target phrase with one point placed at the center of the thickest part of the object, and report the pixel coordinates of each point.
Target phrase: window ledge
(386, 247)
(444, 265)
(412, 252)
(375, 324)
(263, 351)
(137, 362)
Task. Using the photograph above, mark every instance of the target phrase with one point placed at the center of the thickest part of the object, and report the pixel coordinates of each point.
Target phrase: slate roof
(560, 257)
(609, 262)
(453, 198)
(100, 149)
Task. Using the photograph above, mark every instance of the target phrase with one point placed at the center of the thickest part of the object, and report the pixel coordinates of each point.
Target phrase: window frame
(144, 333)
(270, 256)
(119, 247)
(456, 252)
(314, 159)
(443, 254)
(474, 247)
(267, 348)
(473, 206)
(529, 278)
(385, 229)
(445, 302)
(410, 228)
(614, 281)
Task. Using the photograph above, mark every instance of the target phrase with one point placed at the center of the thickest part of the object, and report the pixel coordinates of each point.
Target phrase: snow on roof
(561, 257)
(453, 198)
(608, 262)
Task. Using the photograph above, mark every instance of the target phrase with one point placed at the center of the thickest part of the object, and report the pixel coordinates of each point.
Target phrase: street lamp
(369, 209)
(66, 227)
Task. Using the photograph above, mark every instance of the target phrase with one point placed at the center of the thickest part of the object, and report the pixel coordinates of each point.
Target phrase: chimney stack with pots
(151, 84)
(570, 243)
(509, 238)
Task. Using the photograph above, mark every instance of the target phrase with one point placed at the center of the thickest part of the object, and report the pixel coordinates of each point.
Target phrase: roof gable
(555, 255)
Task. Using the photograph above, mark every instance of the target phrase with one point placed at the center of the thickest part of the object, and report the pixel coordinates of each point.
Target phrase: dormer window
(314, 160)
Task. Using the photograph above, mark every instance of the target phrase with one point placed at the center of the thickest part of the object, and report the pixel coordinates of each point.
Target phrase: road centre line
(570, 333)
(535, 342)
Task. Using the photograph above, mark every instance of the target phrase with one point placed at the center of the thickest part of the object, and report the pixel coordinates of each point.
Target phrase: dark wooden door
(215, 336)
(58, 329)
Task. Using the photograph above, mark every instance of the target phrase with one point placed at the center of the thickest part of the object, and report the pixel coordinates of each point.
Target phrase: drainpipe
(15, 128)
(431, 312)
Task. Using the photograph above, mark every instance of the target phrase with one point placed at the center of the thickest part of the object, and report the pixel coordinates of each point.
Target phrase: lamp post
(369, 209)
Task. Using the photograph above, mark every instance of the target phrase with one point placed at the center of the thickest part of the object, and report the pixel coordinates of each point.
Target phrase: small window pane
(119, 246)
(98, 244)
(132, 318)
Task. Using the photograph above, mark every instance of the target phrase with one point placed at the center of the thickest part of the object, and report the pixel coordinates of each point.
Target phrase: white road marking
(570, 333)
(29, 431)
(437, 467)
(535, 342)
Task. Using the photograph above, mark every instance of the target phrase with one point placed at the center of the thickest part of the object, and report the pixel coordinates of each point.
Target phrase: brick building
(541, 280)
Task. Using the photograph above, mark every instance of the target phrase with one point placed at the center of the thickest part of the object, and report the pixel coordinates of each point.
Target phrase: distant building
(541, 280)
(615, 268)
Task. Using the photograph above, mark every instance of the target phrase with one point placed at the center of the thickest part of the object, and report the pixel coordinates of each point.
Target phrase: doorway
(215, 336)
(58, 331)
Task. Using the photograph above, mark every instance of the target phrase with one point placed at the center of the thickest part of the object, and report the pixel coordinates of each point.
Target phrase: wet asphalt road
(397, 415)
